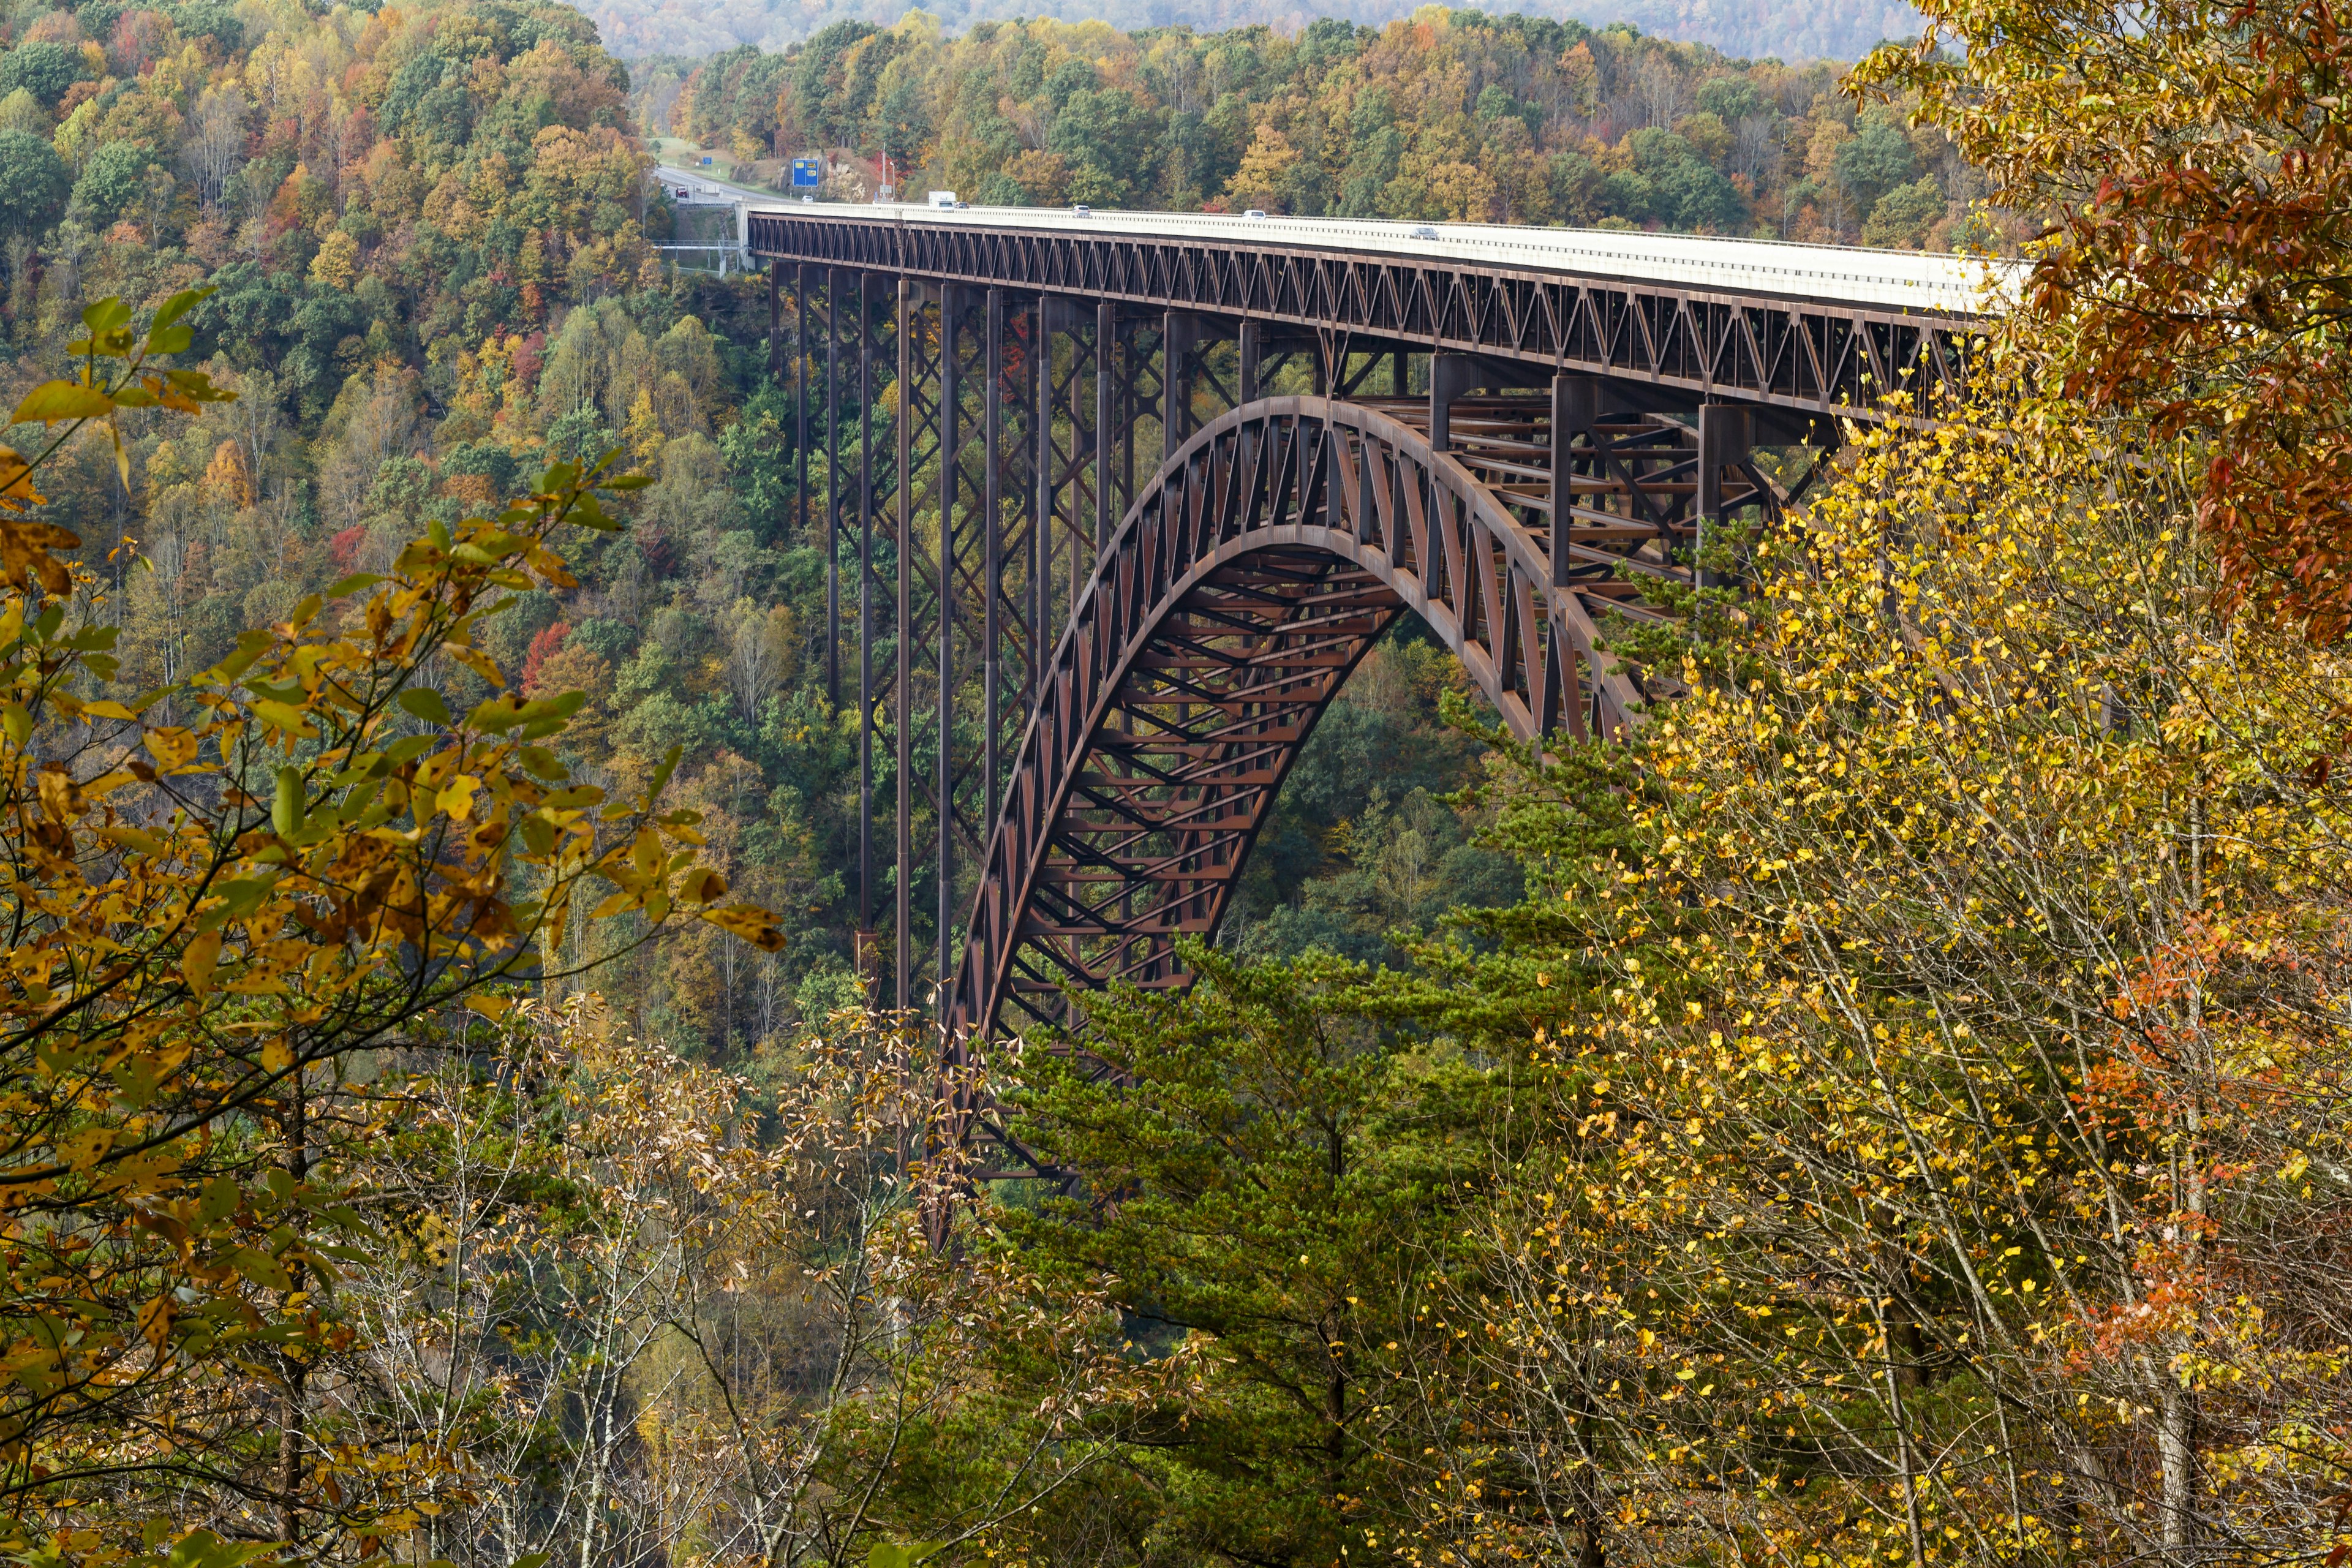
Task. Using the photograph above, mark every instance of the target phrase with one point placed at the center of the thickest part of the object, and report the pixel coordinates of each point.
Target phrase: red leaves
(2197, 175)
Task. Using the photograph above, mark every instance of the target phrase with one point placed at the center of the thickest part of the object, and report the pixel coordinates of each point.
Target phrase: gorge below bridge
(1114, 503)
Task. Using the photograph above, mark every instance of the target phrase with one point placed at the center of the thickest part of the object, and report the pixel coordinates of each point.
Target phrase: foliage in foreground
(2193, 162)
(221, 893)
(1971, 1146)
(654, 1310)
(1905, 1119)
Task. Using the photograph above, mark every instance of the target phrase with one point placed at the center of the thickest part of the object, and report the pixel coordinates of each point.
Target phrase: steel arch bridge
(1080, 687)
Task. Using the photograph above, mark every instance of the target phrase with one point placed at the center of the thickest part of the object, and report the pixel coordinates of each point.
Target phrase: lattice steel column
(1106, 423)
(1180, 340)
(865, 693)
(903, 900)
(966, 526)
(992, 508)
(800, 410)
(1070, 474)
(1138, 392)
(950, 493)
(833, 488)
(938, 362)
(1041, 562)
(1008, 509)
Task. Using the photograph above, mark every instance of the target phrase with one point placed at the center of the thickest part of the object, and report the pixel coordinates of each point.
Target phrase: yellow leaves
(155, 1322)
(53, 402)
(60, 798)
(454, 799)
(80, 1151)
(285, 718)
(172, 749)
(476, 662)
(196, 963)
(751, 923)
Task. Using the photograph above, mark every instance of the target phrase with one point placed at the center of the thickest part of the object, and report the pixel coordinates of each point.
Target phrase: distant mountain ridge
(1789, 30)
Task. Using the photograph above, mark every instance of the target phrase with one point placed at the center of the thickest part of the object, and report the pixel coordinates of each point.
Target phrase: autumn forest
(1889, 1108)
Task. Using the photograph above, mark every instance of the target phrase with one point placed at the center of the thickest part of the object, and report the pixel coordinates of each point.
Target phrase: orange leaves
(2193, 273)
(17, 491)
(26, 551)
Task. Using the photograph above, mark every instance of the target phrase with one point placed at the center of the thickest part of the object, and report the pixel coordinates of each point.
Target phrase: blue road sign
(805, 173)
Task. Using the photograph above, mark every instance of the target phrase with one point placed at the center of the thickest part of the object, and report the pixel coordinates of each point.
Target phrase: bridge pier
(832, 489)
(991, 512)
(902, 900)
(1726, 435)
(1575, 410)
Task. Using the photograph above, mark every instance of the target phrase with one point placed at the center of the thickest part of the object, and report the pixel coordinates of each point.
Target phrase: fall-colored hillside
(1451, 115)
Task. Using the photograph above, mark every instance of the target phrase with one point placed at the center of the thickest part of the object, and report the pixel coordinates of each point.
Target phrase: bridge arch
(1251, 575)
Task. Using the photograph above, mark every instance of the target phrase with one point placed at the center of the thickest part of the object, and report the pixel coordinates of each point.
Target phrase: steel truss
(1801, 359)
(1101, 586)
(1250, 578)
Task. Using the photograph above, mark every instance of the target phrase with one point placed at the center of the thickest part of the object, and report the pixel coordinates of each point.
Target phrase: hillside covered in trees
(1456, 116)
(1796, 33)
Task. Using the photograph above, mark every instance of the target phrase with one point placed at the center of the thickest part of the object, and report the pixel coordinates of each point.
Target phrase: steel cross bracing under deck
(1098, 584)
(1803, 341)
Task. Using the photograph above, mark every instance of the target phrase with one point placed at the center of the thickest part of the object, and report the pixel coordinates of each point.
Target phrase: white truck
(946, 199)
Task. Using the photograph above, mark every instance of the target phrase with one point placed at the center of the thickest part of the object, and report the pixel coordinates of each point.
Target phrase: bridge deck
(1910, 280)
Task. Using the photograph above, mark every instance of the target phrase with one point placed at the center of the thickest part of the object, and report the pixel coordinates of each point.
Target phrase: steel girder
(1798, 360)
(1510, 508)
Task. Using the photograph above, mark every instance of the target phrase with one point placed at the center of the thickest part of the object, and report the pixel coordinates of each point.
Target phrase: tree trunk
(291, 1413)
